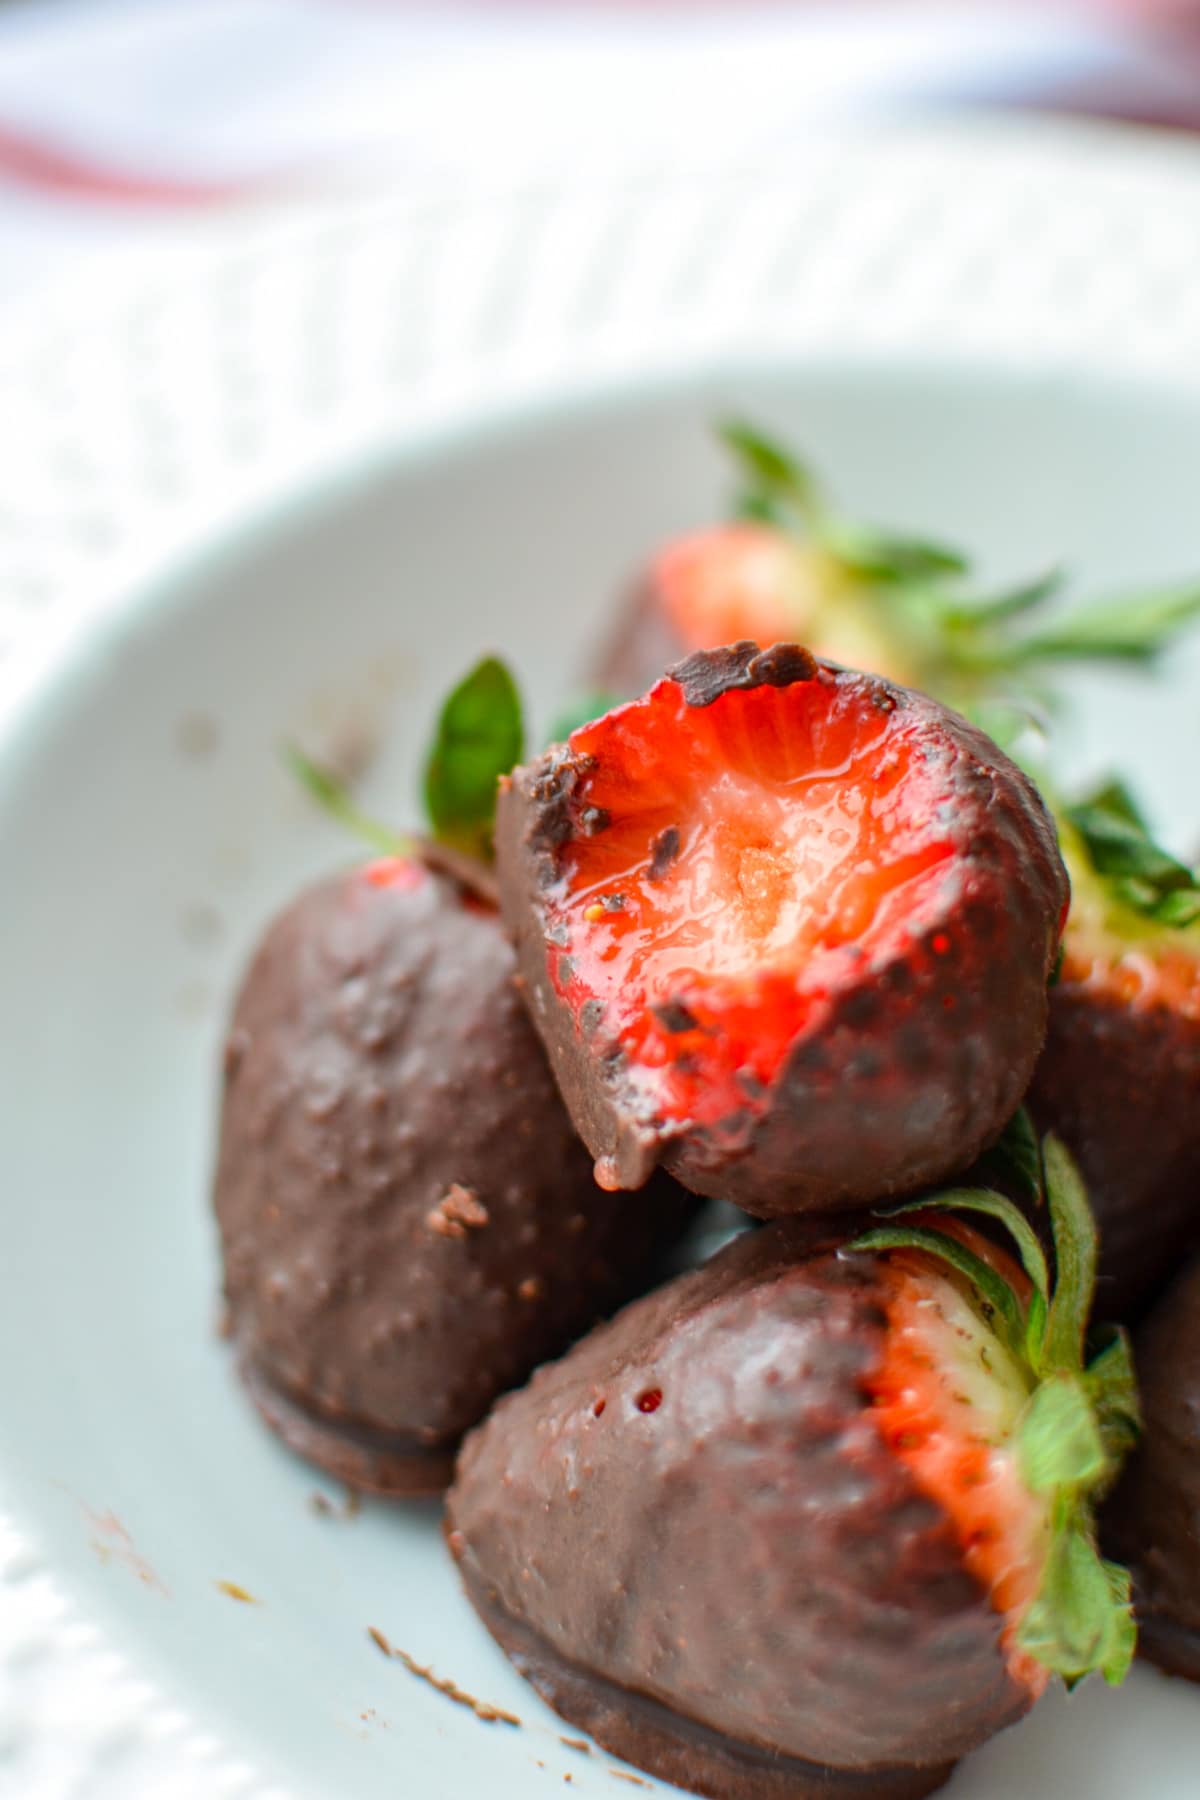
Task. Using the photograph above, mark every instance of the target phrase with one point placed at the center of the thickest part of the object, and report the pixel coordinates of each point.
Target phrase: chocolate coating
(1153, 1520)
(695, 1507)
(1120, 1084)
(409, 1223)
(916, 1064)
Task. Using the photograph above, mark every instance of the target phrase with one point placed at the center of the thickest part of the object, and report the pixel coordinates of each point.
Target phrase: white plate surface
(294, 493)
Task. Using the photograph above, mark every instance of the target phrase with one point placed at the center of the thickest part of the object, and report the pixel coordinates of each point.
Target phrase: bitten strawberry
(814, 1519)
(1119, 1078)
(785, 929)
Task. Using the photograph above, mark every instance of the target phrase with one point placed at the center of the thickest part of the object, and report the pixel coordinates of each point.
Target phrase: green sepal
(1120, 849)
(1006, 603)
(996, 1297)
(890, 557)
(333, 797)
(770, 474)
(479, 737)
(994, 1206)
(1130, 628)
(1077, 1424)
(1016, 1156)
(1074, 1232)
(1058, 1438)
(1112, 1384)
(1080, 1621)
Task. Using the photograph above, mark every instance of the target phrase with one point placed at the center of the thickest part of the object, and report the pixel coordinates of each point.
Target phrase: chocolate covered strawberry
(1154, 1518)
(793, 567)
(784, 928)
(1119, 1078)
(815, 1519)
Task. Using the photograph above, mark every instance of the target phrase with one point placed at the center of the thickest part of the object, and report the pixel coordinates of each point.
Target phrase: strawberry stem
(332, 795)
(1079, 1421)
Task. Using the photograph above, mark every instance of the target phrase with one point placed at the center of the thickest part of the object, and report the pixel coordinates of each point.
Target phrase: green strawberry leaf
(333, 797)
(1080, 1620)
(996, 1297)
(1006, 603)
(1074, 1232)
(479, 737)
(1119, 847)
(757, 508)
(1131, 628)
(769, 473)
(1077, 1424)
(1121, 1637)
(1059, 1438)
(1016, 1156)
(1110, 1380)
(873, 554)
(993, 1206)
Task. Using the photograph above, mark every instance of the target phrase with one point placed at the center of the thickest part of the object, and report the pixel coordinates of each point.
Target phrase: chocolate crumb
(483, 1709)
(590, 1016)
(672, 1015)
(458, 1211)
(707, 674)
(197, 735)
(326, 1508)
(666, 849)
(236, 1592)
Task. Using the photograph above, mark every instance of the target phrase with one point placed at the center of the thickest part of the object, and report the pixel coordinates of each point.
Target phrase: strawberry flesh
(756, 852)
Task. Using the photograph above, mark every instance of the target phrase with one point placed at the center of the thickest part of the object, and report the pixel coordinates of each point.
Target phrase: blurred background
(121, 118)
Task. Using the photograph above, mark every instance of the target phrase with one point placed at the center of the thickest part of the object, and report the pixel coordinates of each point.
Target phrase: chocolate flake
(673, 1015)
(708, 674)
(235, 1591)
(590, 1015)
(458, 1211)
(666, 849)
(483, 1709)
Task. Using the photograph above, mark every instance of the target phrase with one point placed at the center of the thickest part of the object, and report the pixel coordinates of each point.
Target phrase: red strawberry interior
(734, 865)
(736, 581)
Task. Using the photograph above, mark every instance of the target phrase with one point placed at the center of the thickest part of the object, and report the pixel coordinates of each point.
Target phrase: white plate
(269, 500)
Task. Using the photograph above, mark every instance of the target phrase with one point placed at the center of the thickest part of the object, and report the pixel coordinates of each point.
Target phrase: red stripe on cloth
(33, 163)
